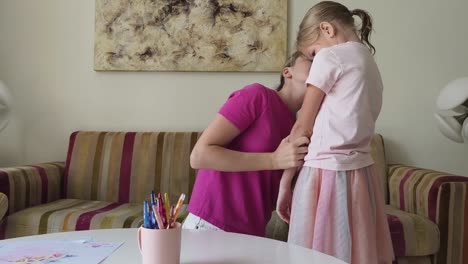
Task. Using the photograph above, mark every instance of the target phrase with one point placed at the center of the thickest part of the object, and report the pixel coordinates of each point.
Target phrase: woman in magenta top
(241, 155)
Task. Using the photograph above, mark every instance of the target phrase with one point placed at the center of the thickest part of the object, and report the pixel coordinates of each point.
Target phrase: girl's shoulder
(343, 55)
(344, 51)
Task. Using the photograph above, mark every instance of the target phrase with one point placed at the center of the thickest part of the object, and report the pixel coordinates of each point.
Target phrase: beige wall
(46, 58)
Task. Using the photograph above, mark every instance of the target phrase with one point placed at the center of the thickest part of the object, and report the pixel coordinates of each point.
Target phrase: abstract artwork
(190, 35)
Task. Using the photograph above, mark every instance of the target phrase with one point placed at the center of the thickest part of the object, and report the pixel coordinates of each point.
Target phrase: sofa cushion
(412, 235)
(378, 154)
(125, 166)
(72, 214)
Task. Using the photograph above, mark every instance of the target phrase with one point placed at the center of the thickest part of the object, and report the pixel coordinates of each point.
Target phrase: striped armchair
(428, 215)
(102, 184)
(427, 212)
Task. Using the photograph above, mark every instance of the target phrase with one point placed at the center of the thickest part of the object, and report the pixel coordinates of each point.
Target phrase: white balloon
(453, 95)
(450, 127)
(452, 109)
(465, 130)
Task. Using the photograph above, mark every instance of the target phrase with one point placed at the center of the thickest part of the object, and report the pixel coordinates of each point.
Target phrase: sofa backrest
(127, 166)
(378, 154)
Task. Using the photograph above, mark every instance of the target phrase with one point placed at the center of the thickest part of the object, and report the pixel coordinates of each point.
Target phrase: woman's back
(243, 201)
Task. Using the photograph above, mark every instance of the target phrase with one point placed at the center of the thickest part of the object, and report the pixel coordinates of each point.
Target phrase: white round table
(202, 247)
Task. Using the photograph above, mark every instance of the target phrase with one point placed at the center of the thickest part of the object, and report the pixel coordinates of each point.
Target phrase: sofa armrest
(27, 186)
(3, 205)
(419, 191)
(441, 197)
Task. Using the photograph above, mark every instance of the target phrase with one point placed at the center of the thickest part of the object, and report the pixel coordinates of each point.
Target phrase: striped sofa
(107, 175)
(428, 215)
(102, 184)
(427, 212)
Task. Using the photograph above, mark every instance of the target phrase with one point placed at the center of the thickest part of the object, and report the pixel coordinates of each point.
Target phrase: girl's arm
(305, 123)
(210, 151)
(303, 127)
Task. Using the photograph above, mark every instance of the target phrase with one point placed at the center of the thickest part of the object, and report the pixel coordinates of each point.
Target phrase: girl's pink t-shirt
(344, 127)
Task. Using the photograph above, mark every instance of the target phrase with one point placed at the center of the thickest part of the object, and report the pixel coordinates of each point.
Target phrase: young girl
(338, 207)
(240, 171)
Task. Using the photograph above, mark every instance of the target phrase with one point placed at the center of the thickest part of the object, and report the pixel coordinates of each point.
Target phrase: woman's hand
(290, 154)
(284, 202)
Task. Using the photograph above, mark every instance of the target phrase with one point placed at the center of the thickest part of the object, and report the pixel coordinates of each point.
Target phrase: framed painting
(190, 35)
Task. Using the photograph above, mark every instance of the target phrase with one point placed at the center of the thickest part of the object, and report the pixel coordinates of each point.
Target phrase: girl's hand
(283, 205)
(290, 154)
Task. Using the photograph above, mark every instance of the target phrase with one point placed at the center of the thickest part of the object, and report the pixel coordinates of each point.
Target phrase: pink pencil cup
(160, 246)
